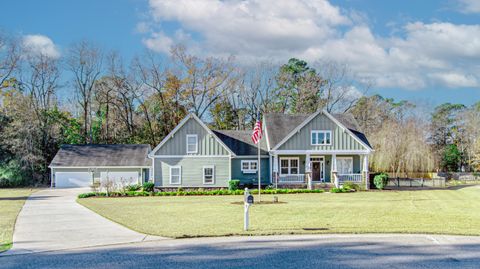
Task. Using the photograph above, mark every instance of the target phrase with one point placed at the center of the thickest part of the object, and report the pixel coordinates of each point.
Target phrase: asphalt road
(305, 251)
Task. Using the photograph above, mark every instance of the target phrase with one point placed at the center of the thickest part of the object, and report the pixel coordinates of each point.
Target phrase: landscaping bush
(197, 192)
(380, 181)
(134, 187)
(352, 186)
(233, 184)
(148, 186)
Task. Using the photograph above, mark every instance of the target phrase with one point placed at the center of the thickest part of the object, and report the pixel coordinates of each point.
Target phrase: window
(345, 165)
(209, 174)
(289, 166)
(249, 167)
(192, 143)
(175, 175)
(321, 138)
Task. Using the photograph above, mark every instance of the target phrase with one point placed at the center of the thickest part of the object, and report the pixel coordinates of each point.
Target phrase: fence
(409, 182)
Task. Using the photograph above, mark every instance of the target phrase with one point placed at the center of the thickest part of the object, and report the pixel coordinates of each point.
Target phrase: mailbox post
(248, 201)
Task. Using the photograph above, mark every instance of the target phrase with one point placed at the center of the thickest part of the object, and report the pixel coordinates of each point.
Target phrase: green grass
(11, 202)
(427, 211)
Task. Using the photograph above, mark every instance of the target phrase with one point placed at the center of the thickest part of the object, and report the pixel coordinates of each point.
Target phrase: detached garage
(83, 165)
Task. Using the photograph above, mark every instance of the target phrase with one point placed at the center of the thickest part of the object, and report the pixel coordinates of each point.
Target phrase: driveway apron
(52, 220)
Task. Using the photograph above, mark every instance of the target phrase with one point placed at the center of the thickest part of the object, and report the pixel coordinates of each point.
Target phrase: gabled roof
(280, 127)
(240, 142)
(102, 155)
(194, 117)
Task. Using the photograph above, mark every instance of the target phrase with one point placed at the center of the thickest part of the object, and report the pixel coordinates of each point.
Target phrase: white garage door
(72, 179)
(121, 178)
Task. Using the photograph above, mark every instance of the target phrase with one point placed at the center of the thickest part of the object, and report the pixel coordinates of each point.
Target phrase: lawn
(452, 211)
(11, 202)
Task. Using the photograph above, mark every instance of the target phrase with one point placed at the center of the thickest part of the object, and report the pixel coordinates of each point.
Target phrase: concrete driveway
(52, 220)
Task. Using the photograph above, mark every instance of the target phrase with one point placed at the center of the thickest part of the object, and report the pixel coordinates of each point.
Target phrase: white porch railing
(298, 178)
(349, 177)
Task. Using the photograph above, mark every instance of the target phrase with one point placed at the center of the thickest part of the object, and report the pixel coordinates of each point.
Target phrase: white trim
(196, 143)
(319, 152)
(325, 132)
(213, 174)
(289, 165)
(292, 133)
(94, 167)
(190, 156)
(189, 116)
(310, 118)
(249, 170)
(321, 161)
(250, 156)
(266, 133)
(179, 174)
(347, 130)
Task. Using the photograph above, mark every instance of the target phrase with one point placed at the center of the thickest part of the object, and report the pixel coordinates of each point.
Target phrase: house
(82, 165)
(296, 150)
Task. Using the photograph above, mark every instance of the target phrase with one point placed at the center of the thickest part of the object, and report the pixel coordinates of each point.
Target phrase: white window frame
(179, 175)
(213, 174)
(196, 143)
(345, 158)
(290, 165)
(325, 132)
(249, 170)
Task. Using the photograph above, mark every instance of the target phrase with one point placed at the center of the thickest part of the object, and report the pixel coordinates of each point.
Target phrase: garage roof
(102, 155)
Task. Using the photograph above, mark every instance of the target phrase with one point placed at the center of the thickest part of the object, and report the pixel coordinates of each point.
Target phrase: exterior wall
(340, 140)
(177, 145)
(192, 171)
(250, 178)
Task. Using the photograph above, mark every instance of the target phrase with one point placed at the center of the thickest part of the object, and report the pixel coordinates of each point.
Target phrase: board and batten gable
(341, 139)
(177, 144)
(172, 152)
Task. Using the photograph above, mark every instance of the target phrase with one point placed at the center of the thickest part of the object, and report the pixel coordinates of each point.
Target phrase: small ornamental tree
(380, 181)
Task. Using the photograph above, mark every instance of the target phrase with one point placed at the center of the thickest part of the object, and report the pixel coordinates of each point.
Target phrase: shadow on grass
(18, 198)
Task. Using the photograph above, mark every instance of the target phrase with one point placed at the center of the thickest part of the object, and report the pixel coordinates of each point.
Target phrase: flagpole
(259, 171)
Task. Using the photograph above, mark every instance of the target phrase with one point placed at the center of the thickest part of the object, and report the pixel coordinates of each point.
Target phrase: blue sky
(425, 51)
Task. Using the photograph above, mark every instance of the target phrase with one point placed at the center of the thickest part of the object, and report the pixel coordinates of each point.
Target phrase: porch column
(308, 171)
(275, 170)
(365, 171)
(334, 170)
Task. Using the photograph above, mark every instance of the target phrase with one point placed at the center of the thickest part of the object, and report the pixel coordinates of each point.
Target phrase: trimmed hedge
(192, 193)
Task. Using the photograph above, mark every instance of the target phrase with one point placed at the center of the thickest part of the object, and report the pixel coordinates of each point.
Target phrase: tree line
(109, 100)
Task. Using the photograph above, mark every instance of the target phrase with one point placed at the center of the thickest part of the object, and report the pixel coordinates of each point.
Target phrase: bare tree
(85, 63)
(204, 80)
(9, 59)
(340, 89)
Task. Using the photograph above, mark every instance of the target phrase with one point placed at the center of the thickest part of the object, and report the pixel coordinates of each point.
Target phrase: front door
(316, 173)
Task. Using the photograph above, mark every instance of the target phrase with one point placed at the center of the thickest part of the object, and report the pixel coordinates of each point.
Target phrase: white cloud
(418, 56)
(469, 6)
(40, 44)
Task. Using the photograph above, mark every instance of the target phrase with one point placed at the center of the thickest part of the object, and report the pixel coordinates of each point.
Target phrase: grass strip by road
(448, 211)
(11, 202)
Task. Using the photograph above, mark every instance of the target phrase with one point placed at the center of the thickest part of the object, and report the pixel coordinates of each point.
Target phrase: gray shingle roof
(98, 155)
(240, 142)
(280, 125)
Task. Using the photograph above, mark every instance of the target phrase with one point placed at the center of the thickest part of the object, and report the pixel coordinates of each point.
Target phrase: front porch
(314, 169)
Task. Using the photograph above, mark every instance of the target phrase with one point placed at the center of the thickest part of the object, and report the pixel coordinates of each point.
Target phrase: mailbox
(249, 199)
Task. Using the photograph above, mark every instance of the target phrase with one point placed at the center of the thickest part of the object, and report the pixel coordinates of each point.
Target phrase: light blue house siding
(192, 171)
(246, 178)
(341, 139)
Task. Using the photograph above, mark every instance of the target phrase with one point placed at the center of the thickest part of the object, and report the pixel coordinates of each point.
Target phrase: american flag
(257, 130)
